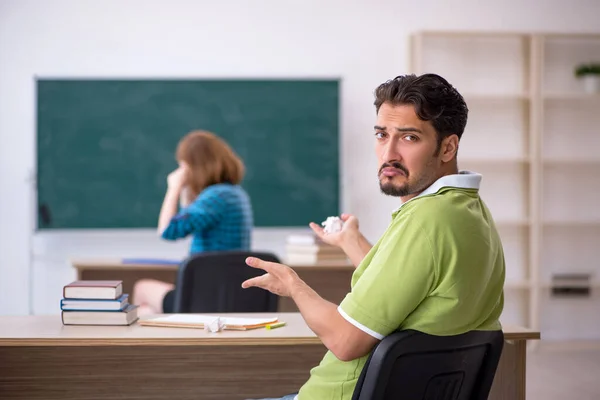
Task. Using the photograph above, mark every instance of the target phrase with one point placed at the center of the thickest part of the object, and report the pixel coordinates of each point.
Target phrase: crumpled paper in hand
(332, 224)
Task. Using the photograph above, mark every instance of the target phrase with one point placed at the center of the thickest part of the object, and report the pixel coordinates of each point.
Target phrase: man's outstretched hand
(279, 279)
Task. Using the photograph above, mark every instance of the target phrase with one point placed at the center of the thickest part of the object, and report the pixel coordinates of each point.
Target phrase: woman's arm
(168, 209)
(175, 183)
(203, 214)
(185, 197)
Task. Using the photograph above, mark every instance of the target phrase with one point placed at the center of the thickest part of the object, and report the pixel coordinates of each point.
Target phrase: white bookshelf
(534, 134)
(570, 175)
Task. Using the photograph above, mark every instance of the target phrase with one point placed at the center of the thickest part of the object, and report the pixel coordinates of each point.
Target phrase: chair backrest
(212, 283)
(417, 366)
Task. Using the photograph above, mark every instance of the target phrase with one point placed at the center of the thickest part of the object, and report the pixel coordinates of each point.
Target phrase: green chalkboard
(105, 147)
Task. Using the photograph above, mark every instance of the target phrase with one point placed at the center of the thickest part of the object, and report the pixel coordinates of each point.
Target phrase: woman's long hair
(211, 161)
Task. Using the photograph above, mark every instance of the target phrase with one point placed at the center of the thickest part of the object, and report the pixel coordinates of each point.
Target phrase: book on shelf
(309, 249)
(306, 239)
(94, 304)
(198, 321)
(316, 249)
(91, 289)
(126, 316)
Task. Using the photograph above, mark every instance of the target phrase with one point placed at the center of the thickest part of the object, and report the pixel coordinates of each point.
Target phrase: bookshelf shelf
(571, 223)
(594, 284)
(572, 161)
(496, 96)
(494, 160)
(517, 285)
(533, 134)
(570, 96)
(514, 223)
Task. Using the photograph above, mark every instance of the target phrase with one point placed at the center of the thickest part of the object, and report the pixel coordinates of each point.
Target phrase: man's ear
(449, 148)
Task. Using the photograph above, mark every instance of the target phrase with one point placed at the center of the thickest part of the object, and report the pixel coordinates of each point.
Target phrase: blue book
(94, 304)
(150, 261)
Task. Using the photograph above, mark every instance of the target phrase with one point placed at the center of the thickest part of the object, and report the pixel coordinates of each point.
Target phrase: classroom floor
(559, 373)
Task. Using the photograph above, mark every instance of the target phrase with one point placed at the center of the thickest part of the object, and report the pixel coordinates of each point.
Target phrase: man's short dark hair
(433, 98)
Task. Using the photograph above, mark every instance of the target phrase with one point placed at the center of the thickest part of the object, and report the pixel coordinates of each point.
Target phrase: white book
(125, 317)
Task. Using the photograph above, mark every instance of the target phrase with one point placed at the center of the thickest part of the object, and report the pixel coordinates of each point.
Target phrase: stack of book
(309, 249)
(96, 303)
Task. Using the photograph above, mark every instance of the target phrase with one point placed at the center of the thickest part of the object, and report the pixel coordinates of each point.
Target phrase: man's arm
(356, 248)
(397, 280)
(342, 338)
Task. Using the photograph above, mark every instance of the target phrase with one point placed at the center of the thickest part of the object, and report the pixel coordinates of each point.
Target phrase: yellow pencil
(277, 325)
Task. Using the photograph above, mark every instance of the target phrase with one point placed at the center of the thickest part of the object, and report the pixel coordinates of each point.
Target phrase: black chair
(411, 365)
(212, 283)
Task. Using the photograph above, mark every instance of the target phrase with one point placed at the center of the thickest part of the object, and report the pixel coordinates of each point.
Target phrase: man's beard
(389, 188)
(420, 183)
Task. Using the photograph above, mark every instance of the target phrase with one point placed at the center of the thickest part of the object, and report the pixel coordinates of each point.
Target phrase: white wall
(363, 42)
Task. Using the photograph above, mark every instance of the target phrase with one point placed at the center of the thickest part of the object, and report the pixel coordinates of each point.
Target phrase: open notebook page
(198, 320)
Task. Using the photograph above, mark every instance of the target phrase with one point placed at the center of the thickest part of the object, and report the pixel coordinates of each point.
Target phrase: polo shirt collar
(463, 180)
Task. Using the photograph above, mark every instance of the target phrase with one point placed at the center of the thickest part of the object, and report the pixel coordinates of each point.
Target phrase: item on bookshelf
(94, 304)
(590, 75)
(125, 317)
(571, 284)
(212, 323)
(91, 289)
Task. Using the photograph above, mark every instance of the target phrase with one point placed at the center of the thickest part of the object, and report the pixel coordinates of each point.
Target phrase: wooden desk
(331, 281)
(42, 359)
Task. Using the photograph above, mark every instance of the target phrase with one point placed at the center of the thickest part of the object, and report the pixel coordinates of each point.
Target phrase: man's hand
(349, 239)
(348, 233)
(345, 340)
(279, 279)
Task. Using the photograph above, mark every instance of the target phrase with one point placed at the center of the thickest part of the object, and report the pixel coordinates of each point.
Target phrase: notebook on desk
(198, 321)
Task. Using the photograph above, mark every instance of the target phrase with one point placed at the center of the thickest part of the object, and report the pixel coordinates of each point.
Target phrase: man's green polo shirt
(438, 268)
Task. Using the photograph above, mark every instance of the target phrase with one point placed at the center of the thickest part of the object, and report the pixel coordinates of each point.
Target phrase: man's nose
(391, 153)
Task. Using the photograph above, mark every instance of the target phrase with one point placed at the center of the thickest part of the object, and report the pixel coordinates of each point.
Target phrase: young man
(438, 268)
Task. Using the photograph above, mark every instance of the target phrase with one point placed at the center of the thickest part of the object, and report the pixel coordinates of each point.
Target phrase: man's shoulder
(447, 203)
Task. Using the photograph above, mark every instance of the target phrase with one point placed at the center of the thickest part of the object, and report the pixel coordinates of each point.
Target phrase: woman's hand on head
(178, 178)
(348, 233)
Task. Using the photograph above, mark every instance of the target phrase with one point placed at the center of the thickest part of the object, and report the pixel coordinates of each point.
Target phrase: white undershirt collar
(464, 180)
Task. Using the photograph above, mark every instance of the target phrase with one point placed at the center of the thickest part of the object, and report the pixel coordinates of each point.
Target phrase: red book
(93, 290)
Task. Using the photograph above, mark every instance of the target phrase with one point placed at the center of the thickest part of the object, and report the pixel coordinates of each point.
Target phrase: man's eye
(411, 138)
(379, 135)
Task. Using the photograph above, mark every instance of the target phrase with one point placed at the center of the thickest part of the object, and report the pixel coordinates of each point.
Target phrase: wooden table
(330, 280)
(42, 359)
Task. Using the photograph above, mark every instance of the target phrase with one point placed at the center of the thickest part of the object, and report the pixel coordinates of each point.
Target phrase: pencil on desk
(274, 326)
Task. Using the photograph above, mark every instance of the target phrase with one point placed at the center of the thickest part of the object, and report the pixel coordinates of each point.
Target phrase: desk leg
(509, 382)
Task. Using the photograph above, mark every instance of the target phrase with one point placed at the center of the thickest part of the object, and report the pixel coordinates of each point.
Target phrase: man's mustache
(395, 165)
